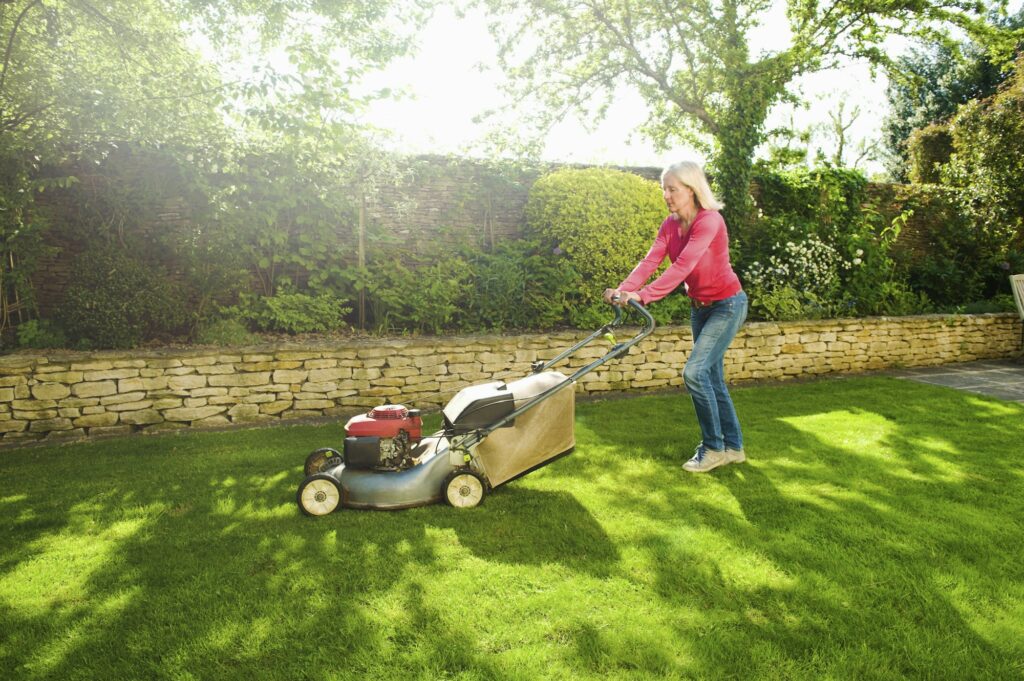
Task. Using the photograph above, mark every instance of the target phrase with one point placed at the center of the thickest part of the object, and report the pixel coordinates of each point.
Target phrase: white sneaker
(735, 455)
(705, 460)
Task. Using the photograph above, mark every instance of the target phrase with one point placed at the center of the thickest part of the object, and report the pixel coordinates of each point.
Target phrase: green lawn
(875, 533)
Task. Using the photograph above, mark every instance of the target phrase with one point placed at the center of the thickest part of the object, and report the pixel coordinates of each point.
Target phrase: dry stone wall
(84, 395)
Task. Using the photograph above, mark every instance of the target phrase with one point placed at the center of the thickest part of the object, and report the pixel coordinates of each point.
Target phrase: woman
(695, 239)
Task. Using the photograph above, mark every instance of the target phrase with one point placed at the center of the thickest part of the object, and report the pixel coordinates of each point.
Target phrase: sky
(444, 88)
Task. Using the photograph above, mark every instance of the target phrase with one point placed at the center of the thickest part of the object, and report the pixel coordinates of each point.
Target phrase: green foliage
(22, 226)
(930, 84)
(927, 149)
(603, 221)
(518, 285)
(41, 334)
(421, 297)
(225, 331)
(1002, 302)
(116, 301)
(293, 312)
(821, 250)
(693, 65)
(980, 239)
(265, 145)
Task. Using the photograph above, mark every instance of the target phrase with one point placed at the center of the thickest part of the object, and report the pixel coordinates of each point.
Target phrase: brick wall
(69, 395)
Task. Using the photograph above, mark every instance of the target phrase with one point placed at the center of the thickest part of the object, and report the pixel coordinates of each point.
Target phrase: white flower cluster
(810, 265)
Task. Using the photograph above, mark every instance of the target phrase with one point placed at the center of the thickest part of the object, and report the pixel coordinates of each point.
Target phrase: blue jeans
(714, 327)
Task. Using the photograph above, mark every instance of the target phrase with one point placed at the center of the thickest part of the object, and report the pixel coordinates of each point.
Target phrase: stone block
(110, 374)
(97, 365)
(313, 404)
(130, 406)
(275, 407)
(188, 382)
(129, 385)
(299, 356)
(48, 425)
(198, 361)
(33, 405)
(326, 375)
(13, 426)
(319, 387)
(122, 399)
(215, 369)
(211, 422)
(290, 376)
(95, 420)
(193, 413)
(246, 380)
(94, 389)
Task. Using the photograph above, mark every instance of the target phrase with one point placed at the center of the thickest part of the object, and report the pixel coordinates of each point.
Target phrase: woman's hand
(619, 297)
(626, 296)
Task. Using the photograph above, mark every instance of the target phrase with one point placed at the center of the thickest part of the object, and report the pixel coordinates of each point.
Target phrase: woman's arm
(646, 267)
(702, 232)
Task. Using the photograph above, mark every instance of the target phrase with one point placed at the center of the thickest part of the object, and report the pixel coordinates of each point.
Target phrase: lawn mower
(493, 433)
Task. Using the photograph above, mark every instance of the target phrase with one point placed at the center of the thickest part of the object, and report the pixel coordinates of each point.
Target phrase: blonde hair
(691, 174)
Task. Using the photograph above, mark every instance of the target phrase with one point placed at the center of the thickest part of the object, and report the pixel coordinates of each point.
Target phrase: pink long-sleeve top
(700, 259)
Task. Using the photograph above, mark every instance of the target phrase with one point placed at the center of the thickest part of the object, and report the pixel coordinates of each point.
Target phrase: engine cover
(386, 421)
(383, 438)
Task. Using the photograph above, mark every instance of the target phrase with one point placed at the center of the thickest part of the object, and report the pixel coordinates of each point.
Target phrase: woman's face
(678, 197)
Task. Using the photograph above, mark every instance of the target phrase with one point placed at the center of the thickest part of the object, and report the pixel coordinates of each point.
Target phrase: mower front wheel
(464, 489)
(322, 459)
(319, 494)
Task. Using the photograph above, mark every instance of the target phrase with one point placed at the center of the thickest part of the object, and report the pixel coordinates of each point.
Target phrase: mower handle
(616, 350)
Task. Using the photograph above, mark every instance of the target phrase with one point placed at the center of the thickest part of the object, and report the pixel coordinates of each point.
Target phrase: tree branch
(10, 41)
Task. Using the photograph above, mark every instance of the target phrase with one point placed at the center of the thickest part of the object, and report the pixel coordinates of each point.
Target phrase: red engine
(383, 438)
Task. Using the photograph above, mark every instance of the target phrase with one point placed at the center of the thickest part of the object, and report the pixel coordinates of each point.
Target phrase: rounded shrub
(602, 221)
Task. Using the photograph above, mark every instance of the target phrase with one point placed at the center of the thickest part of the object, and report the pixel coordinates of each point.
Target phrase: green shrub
(1002, 302)
(820, 237)
(227, 331)
(293, 312)
(928, 148)
(988, 167)
(116, 301)
(423, 298)
(603, 221)
(41, 334)
(519, 285)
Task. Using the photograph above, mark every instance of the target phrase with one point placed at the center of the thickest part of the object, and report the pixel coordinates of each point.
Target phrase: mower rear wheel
(464, 489)
(317, 461)
(319, 495)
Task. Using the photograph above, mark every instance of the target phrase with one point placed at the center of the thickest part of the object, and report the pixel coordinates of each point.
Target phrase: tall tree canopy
(217, 84)
(931, 84)
(694, 62)
(85, 72)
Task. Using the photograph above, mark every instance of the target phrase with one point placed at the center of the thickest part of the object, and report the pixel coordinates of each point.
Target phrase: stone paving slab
(1002, 379)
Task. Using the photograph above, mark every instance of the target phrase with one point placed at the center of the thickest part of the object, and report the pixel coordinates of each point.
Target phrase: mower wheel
(322, 459)
(463, 489)
(319, 495)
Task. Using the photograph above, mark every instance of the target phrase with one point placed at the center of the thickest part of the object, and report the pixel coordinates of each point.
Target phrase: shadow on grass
(880, 543)
(858, 542)
(204, 566)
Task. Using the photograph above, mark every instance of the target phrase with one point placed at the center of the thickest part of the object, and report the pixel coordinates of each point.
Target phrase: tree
(205, 82)
(694, 64)
(930, 83)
